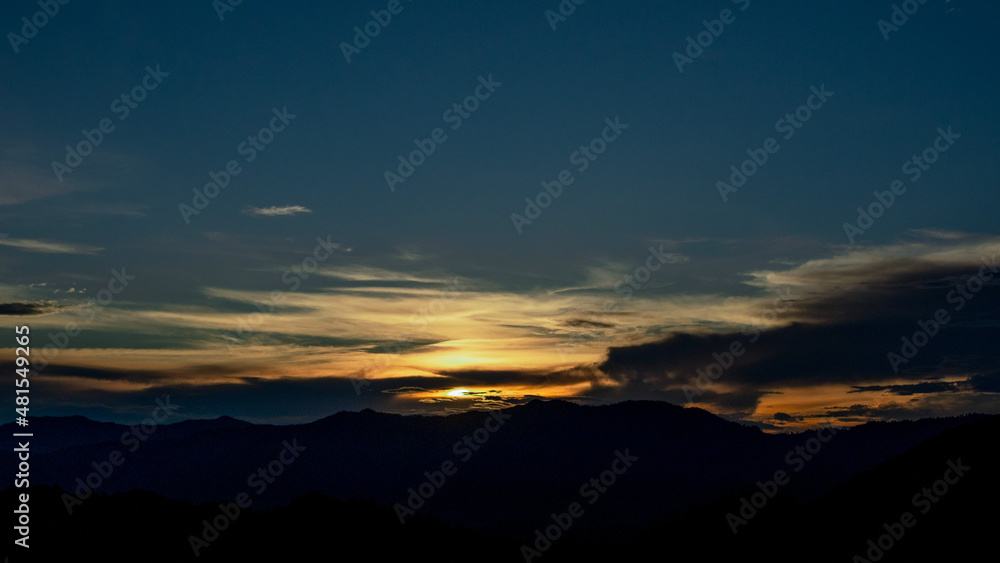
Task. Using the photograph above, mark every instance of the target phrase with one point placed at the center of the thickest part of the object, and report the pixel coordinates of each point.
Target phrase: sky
(280, 212)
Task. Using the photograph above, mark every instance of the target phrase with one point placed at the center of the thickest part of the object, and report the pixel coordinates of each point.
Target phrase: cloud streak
(50, 247)
(273, 211)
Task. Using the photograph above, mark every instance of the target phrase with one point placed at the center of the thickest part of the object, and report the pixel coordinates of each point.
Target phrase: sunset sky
(312, 283)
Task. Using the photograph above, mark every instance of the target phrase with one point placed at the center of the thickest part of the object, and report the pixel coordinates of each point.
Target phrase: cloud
(847, 314)
(414, 335)
(358, 273)
(517, 378)
(132, 378)
(27, 308)
(50, 247)
(583, 323)
(405, 390)
(981, 383)
(26, 174)
(912, 388)
(986, 383)
(275, 211)
(25, 178)
(862, 413)
(401, 346)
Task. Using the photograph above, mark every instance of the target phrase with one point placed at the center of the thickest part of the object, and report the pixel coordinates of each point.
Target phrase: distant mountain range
(657, 470)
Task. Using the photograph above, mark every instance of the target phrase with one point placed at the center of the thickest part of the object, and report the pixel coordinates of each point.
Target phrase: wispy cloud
(50, 247)
(274, 211)
(24, 178)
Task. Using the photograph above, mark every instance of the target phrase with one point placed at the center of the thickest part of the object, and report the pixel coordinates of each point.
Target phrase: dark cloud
(153, 377)
(912, 388)
(501, 378)
(979, 383)
(862, 413)
(421, 382)
(843, 336)
(401, 346)
(917, 406)
(583, 323)
(406, 390)
(30, 308)
(986, 383)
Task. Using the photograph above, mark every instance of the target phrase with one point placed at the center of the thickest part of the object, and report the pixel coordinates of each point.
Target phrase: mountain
(903, 510)
(143, 526)
(669, 483)
(509, 471)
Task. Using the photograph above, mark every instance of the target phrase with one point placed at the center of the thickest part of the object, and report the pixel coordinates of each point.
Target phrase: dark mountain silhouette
(833, 527)
(692, 469)
(143, 526)
(533, 464)
(958, 526)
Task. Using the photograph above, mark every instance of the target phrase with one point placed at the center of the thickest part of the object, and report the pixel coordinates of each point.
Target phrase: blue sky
(323, 173)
